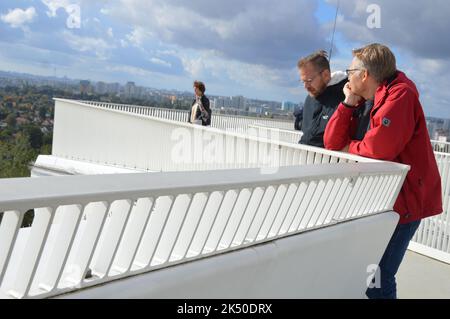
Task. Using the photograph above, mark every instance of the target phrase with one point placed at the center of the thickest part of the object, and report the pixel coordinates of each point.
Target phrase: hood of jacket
(337, 77)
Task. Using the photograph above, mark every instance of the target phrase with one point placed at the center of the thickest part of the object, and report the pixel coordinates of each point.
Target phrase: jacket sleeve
(206, 117)
(391, 128)
(338, 131)
(205, 103)
(190, 112)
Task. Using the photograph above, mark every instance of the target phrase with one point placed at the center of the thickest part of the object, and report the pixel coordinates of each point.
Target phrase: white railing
(168, 114)
(432, 236)
(119, 225)
(125, 139)
(288, 136)
(234, 123)
(440, 147)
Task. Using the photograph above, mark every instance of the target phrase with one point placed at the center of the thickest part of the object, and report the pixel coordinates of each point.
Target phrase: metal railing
(288, 136)
(440, 147)
(113, 226)
(234, 123)
(125, 139)
(433, 235)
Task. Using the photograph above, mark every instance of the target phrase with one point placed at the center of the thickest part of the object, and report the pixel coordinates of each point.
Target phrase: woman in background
(200, 112)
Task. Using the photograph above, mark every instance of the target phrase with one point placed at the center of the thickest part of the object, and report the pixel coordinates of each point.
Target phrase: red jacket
(397, 133)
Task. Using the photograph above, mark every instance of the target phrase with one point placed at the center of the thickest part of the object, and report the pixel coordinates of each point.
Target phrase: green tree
(3, 114)
(35, 136)
(16, 156)
(42, 112)
(11, 120)
(46, 149)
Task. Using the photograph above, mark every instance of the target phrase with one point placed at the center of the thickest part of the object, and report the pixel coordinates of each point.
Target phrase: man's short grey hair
(378, 60)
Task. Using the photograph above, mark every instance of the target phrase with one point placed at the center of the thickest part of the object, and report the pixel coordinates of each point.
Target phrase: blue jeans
(391, 260)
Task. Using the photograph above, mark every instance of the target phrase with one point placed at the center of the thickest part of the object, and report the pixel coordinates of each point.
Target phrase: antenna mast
(334, 28)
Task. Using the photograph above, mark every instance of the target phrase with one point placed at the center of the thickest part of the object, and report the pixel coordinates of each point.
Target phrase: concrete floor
(420, 277)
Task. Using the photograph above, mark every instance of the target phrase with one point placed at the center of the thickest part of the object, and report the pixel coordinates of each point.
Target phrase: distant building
(130, 89)
(238, 102)
(113, 88)
(431, 125)
(440, 135)
(85, 87)
(101, 88)
(446, 125)
(255, 109)
(222, 102)
(288, 106)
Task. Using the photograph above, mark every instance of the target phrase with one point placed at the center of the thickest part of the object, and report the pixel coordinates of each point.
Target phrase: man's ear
(365, 75)
(327, 75)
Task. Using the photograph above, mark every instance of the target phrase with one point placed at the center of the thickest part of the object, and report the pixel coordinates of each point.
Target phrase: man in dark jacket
(200, 112)
(397, 132)
(324, 95)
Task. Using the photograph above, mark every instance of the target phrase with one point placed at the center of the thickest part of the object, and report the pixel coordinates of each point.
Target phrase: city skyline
(236, 48)
(42, 80)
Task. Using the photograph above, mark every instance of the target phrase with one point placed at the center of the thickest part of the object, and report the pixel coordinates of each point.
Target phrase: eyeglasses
(350, 71)
(309, 81)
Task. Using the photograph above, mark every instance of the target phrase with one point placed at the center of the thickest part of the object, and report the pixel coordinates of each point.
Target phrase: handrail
(124, 224)
(221, 121)
(442, 147)
(125, 139)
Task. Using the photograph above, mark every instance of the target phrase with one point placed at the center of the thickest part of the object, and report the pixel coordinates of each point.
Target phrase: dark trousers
(391, 260)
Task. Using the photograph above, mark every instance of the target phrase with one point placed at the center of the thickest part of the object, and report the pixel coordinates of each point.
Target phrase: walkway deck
(421, 277)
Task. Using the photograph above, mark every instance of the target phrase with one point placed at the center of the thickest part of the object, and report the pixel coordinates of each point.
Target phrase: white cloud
(138, 36)
(417, 26)
(88, 44)
(160, 62)
(215, 68)
(18, 17)
(123, 43)
(129, 69)
(194, 66)
(167, 52)
(110, 33)
(431, 79)
(416, 32)
(104, 11)
(264, 32)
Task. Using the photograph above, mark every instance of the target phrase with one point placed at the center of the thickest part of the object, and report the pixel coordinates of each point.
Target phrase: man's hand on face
(350, 97)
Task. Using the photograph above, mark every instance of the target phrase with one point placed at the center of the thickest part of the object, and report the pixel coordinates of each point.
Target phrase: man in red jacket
(396, 132)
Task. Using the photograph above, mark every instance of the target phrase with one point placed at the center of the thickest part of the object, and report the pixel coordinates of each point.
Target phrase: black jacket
(362, 114)
(317, 111)
(298, 114)
(206, 118)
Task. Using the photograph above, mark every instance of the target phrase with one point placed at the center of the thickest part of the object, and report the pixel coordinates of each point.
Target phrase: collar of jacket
(384, 89)
(202, 98)
(330, 90)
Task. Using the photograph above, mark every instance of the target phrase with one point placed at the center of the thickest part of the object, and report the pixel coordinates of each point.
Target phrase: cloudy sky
(237, 47)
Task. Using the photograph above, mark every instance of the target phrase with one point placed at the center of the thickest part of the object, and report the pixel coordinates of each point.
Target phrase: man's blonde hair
(318, 59)
(378, 59)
